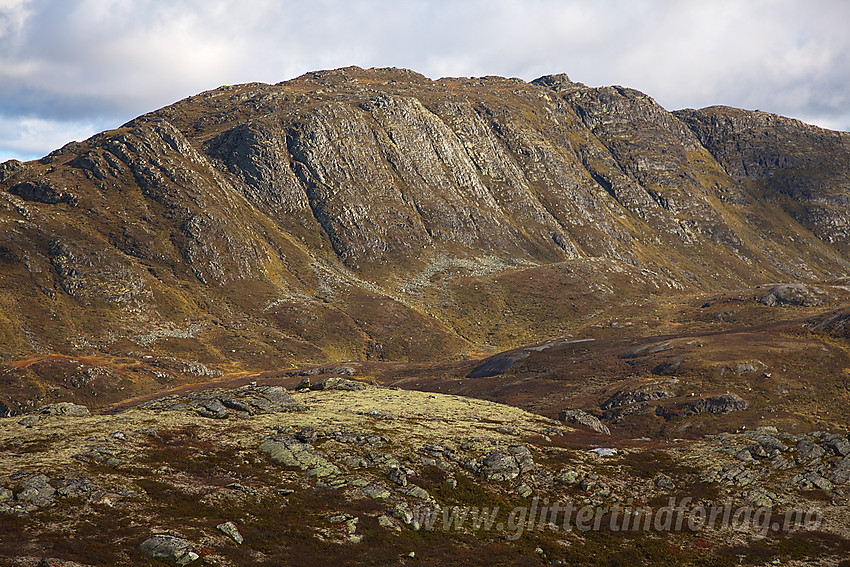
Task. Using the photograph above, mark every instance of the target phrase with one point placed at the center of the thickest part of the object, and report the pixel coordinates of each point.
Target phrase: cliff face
(378, 214)
(802, 169)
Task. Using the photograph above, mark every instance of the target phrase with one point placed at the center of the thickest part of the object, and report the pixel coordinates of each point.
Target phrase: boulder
(663, 481)
(229, 529)
(499, 465)
(792, 294)
(213, 409)
(584, 419)
(169, 549)
(36, 490)
(64, 408)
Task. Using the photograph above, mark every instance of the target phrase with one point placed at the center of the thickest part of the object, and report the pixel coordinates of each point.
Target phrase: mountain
(479, 291)
(379, 215)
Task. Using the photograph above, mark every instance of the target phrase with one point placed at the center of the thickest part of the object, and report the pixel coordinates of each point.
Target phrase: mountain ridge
(377, 214)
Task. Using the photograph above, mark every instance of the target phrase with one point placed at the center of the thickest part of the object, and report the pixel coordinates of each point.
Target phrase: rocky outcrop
(806, 164)
(579, 417)
(836, 323)
(245, 401)
(42, 191)
(311, 484)
(337, 383)
(64, 408)
(648, 393)
(169, 549)
(724, 403)
(792, 294)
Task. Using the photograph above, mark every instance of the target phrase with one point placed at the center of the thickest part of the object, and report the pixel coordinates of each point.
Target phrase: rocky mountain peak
(250, 218)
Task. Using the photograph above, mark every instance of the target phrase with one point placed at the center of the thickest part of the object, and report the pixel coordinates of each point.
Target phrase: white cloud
(102, 62)
(26, 137)
(13, 16)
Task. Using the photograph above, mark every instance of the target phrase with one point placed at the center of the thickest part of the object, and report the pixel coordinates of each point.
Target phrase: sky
(72, 68)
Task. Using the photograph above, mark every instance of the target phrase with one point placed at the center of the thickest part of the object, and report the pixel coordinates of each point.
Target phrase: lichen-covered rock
(293, 453)
(376, 492)
(841, 473)
(838, 444)
(501, 466)
(169, 549)
(808, 450)
(67, 409)
(36, 490)
(229, 529)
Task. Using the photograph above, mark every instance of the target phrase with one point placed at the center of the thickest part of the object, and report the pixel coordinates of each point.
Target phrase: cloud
(103, 62)
(27, 138)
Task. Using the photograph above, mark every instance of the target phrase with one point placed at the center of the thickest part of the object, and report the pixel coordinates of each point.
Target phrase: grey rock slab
(808, 450)
(67, 409)
(337, 383)
(376, 492)
(169, 549)
(36, 490)
(837, 443)
(724, 403)
(499, 466)
(579, 417)
(841, 473)
(229, 529)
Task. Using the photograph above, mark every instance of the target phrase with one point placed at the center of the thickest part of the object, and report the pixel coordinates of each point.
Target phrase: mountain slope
(377, 214)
